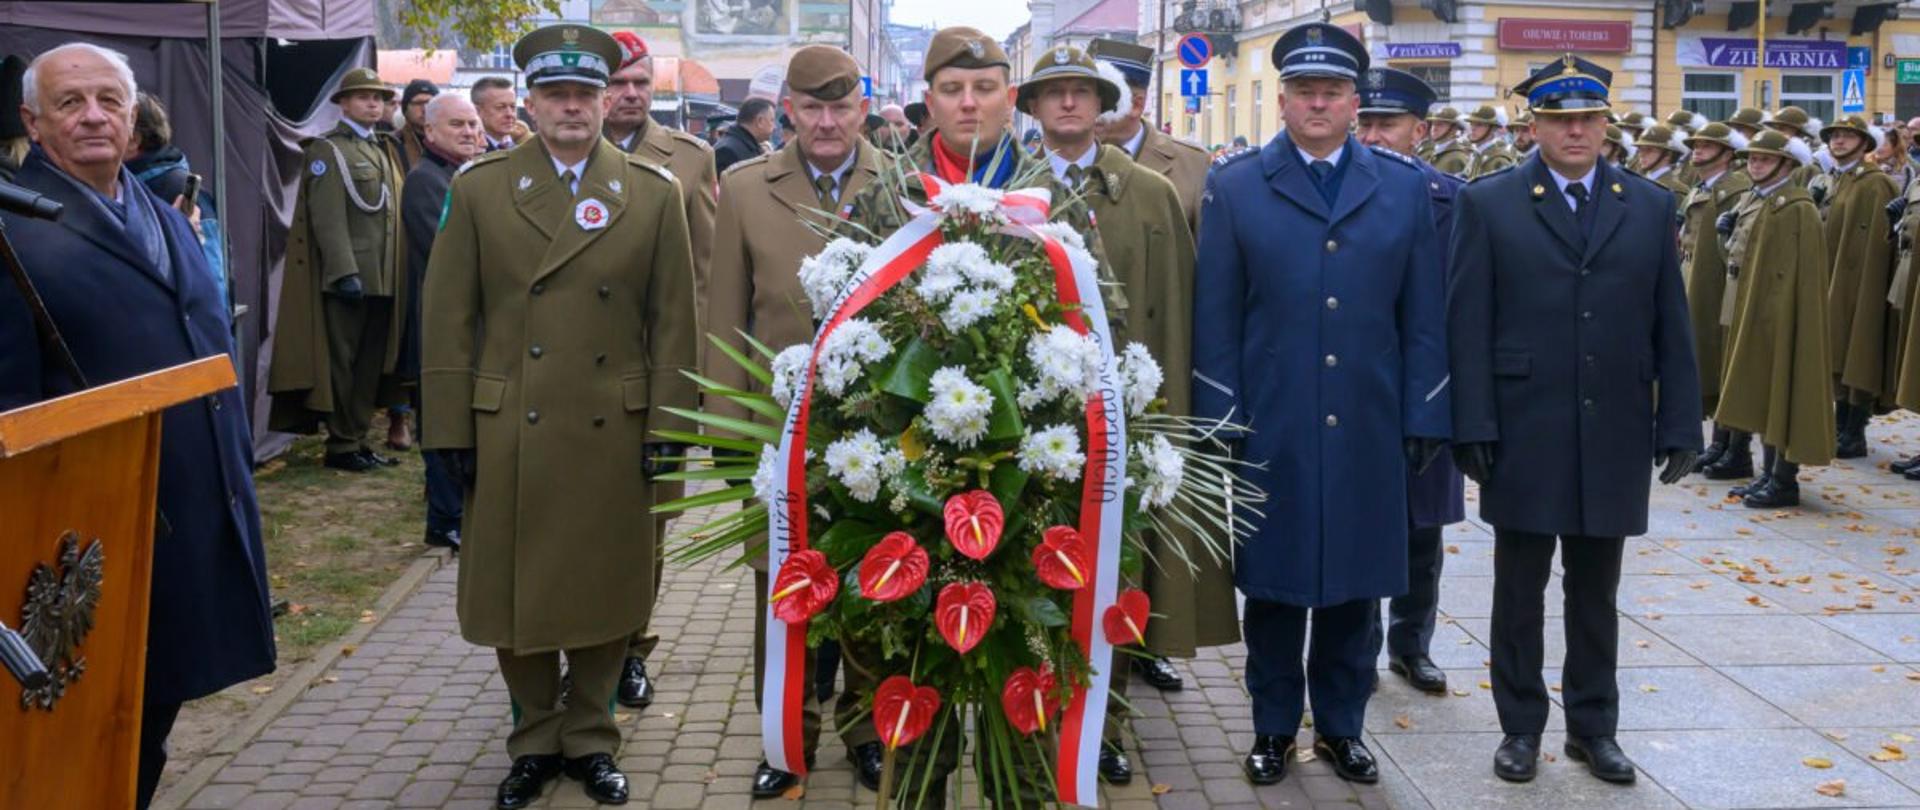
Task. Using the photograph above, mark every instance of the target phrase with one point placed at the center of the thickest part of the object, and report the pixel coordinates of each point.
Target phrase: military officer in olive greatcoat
(1486, 132)
(558, 320)
(1703, 261)
(343, 301)
(1865, 334)
(1186, 165)
(1659, 155)
(631, 127)
(1573, 373)
(1448, 149)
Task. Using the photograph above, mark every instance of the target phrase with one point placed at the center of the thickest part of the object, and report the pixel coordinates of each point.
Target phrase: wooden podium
(77, 487)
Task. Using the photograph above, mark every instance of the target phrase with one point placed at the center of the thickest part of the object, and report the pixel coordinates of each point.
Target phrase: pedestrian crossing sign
(1853, 91)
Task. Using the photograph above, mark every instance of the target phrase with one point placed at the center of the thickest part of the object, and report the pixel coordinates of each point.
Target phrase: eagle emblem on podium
(58, 615)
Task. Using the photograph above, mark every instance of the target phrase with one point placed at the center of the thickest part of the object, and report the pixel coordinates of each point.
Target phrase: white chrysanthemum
(825, 274)
(992, 275)
(1165, 470)
(848, 351)
(967, 308)
(948, 268)
(1063, 233)
(1065, 363)
(959, 407)
(787, 368)
(970, 199)
(861, 463)
(1053, 452)
(1141, 376)
(938, 284)
(763, 477)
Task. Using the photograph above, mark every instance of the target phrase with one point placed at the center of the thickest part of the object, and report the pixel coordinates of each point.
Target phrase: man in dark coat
(451, 136)
(1573, 372)
(743, 139)
(1393, 111)
(1320, 325)
(125, 281)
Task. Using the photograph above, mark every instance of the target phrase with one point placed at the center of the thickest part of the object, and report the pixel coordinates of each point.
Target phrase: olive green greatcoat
(1905, 294)
(1778, 379)
(1180, 162)
(1496, 156)
(331, 238)
(1864, 339)
(690, 161)
(1453, 157)
(762, 233)
(1703, 263)
(551, 348)
(1145, 235)
(1672, 180)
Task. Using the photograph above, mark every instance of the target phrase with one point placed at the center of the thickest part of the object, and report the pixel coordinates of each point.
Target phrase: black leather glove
(1674, 464)
(1818, 193)
(655, 458)
(462, 464)
(1724, 225)
(1421, 452)
(1895, 210)
(1475, 459)
(348, 287)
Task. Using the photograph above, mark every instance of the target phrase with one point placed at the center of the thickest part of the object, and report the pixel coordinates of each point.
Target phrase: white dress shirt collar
(1592, 174)
(1138, 140)
(1060, 164)
(1307, 159)
(579, 171)
(362, 131)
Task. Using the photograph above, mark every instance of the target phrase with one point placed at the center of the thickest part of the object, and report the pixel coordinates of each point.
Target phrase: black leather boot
(1904, 466)
(1782, 489)
(1735, 462)
(1715, 449)
(1852, 439)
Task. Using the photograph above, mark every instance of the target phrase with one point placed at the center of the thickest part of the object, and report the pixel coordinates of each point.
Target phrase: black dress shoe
(1518, 758)
(529, 775)
(1734, 464)
(1902, 466)
(447, 539)
(351, 462)
(1603, 757)
(1714, 453)
(1114, 766)
(769, 781)
(1266, 764)
(1420, 672)
(1912, 475)
(1159, 673)
(1851, 445)
(1349, 757)
(1749, 487)
(868, 761)
(378, 460)
(1776, 494)
(602, 782)
(636, 689)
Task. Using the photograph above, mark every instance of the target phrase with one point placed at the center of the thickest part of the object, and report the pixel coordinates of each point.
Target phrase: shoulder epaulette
(1389, 153)
(482, 160)
(1494, 173)
(1182, 142)
(636, 160)
(756, 160)
(1232, 155)
(687, 138)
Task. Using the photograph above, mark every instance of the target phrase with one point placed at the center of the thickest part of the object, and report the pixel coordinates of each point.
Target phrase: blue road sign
(1193, 83)
(1194, 50)
(1853, 91)
(866, 87)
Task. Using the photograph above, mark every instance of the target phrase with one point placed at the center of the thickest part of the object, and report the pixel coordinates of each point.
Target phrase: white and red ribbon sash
(1101, 500)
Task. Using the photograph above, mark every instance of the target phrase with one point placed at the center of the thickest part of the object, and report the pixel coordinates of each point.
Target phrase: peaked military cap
(823, 71)
(1134, 61)
(962, 47)
(1569, 86)
(356, 80)
(1065, 62)
(568, 52)
(1390, 91)
(1790, 118)
(1319, 50)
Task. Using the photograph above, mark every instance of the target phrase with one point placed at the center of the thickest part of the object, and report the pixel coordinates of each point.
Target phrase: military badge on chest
(590, 214)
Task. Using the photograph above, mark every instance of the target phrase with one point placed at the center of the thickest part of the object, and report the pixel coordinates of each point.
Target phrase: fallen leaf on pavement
(1649, 688)
(1832, 788)
(1821, 763)
(261, 690)
(1888, 753)
(1403, 721)
(1161, 788)
(1901, 738)
(1485, 685)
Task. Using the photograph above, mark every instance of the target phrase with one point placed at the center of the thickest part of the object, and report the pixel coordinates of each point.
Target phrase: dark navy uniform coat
(1321, 327)
(1572, 348)
(209, 625)
(1436, 497)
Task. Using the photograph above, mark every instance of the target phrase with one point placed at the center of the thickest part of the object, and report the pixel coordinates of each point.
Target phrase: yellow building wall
(1880, 80)
(1513, 67)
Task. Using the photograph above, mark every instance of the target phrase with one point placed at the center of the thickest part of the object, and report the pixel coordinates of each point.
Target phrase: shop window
(1714, 95)
(1437, 76)
(1259, 115)
(1233, 111)
(1813, 92)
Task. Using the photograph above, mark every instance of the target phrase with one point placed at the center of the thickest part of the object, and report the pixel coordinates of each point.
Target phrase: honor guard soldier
(1618, 151)
(1521, 131)
(1449, 151)
(343, 302)
(1748, 121)
(1319, 324)
(772, 212)
(1864, 336)
(1902, 295)
(1632, 123)
(558, 322)
(1659, 155)
(1778, 375)
(1393, 109)
(1486, 128)
(1183, 163)
(690, 160)
(1683, 123)
(1703, 262)
(1573, 374)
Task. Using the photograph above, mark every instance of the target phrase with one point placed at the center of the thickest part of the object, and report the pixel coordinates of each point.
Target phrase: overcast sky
(996, 17)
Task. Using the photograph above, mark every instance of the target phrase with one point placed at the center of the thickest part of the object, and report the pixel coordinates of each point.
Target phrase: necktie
(1321, 169)
(823, 186)
(567, 179)
(1578, 191)
(1075, 175)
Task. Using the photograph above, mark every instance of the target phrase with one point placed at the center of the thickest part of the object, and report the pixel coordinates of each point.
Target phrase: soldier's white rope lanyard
(340, 159)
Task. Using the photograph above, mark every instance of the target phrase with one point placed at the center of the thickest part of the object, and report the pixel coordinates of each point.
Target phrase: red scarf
(949, 165)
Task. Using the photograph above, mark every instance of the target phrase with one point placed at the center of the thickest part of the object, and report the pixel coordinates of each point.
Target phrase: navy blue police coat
(1572, 351)
(209, 624)
(1437, 497)
(1321, 328)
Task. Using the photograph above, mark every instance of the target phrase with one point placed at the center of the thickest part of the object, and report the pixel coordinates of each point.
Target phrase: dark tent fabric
(262, 155)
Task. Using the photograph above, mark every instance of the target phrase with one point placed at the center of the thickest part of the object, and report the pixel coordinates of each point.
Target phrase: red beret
(632, 48)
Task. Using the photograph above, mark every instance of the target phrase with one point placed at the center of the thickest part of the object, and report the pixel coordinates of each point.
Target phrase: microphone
(26, 203)
(20, 659)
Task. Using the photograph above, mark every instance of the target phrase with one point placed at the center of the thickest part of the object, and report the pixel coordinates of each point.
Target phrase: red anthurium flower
(902, 712)
(895, 567)
(963, 612)
(1029, 699)
(1061, 558)
(974, 521)
(805, 584)
(1126, 619)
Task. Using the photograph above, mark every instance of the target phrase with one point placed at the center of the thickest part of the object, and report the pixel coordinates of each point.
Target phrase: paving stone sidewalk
(1751, 644)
